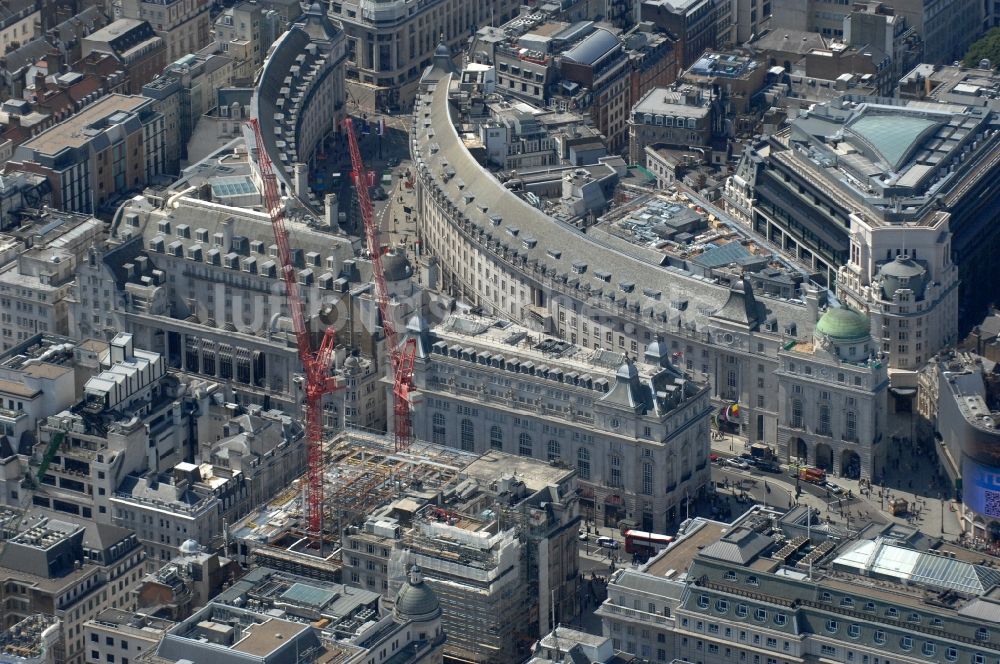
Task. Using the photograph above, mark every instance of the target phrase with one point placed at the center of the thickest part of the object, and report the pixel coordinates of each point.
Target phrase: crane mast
(401, 357)
(316, 363)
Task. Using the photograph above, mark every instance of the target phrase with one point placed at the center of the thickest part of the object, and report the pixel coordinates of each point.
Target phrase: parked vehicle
(607, 542)
(812, 474)
(738, 463)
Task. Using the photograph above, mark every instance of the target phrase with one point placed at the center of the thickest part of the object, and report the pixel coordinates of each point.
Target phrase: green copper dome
(843, 323)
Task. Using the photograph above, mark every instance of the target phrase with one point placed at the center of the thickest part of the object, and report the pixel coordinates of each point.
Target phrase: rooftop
(891, 158)
(80, 129)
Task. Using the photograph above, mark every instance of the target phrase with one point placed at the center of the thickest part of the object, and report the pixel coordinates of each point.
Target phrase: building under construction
(31, 641)
(494, 535)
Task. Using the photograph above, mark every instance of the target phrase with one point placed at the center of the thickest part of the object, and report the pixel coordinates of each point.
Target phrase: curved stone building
(832, 396)
(299, 98)
(512, 260)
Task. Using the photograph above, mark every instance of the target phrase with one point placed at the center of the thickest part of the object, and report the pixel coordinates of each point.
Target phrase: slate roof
(493, 209)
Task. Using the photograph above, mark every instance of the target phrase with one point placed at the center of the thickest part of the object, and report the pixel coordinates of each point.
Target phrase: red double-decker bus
(642, 543)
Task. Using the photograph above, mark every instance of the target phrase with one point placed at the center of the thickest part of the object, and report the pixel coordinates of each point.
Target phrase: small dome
(843, 323)
(903, 272)
(442, 51)
(396, 267)
(190, 546)
(627, 370)
(416, 600)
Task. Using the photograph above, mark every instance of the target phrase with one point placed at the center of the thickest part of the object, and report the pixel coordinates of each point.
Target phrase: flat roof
(262, 639)
(70, 133)
(535, 473)
(677, 558)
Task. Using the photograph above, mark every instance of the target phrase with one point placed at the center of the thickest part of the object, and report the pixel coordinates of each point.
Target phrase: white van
(607, 542)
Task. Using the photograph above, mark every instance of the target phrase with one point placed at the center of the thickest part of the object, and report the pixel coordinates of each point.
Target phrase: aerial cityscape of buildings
(499, 332)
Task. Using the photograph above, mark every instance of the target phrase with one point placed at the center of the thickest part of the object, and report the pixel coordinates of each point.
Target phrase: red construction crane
(401, 357)
(315, 364)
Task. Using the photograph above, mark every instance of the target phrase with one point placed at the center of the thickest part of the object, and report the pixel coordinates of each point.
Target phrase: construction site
(495, 536)
(31, 641)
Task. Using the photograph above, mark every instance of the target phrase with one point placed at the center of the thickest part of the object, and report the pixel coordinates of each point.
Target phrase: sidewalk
(906, 468)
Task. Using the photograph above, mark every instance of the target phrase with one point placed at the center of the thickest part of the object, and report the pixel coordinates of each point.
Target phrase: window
(982, 634)
(524, 445)
(583, 463)
(928, 649)
(906, 642)
(824, 420)
(870, 607)
(496, 437)
(438, 429)
(730, 575)
(979, 658)
(752, 581)
(951, 653)
(914, 618)
(741, 610)
(760, 615)
(851, 432)
(879, 637)
(797, 413)
(722, 606)
(828, 650)
(703, 601)
(847, 602)
(831, 626)
(892, 612)
(554, 450)
(780, 619)
(468, 435)
(647, 479)
(854, 631)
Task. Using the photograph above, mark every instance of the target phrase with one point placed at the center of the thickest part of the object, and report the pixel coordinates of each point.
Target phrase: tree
(987, 47)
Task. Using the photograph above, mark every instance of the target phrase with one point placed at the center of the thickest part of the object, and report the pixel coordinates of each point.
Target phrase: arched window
(583, 463)
(555, 450)
(797, 413)
(496, 438)
(438, 430)
(524, 445)
(468, 435)
(824, 420)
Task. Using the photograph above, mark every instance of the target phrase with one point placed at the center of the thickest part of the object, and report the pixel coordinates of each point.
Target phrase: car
(583, 536)
(738, 463)
(714, 458)
(607, 542)
(392, 162)
(834, 488)
(378, 194)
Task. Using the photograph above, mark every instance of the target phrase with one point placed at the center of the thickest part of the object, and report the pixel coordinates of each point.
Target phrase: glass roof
(232, 186)
(893, 137)
(309, 595)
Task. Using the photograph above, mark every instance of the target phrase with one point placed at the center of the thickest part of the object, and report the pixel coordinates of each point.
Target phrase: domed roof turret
(395, 266)
(416, 600)
(903, 272)
(843, 324)
(190, 547)
(442, 50)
